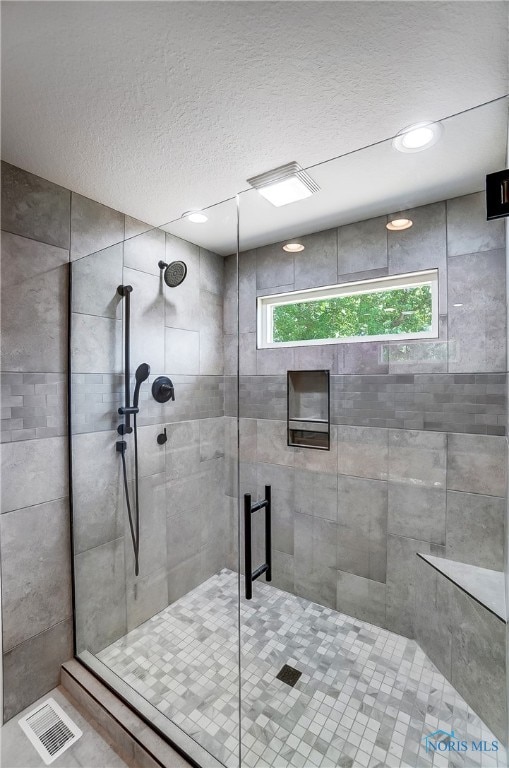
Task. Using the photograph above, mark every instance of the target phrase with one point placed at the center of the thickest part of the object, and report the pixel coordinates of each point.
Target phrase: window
(398, 307)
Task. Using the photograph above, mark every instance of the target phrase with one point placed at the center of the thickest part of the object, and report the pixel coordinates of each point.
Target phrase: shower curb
(133, 739)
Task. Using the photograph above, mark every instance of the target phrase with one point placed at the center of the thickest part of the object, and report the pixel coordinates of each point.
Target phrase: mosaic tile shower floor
(366, 697)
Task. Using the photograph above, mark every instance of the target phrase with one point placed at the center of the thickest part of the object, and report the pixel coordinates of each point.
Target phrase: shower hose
(134, 524)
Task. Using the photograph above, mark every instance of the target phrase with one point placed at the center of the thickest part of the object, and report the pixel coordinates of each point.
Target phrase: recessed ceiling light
(197, 217)
(457, 305)
(396, 225)
(417, 137)
(293, 247)
(286, 184)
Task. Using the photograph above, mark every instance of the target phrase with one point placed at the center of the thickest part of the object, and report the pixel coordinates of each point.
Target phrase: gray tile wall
(96, 397)
(33, 406)
(179, 333)
(385, 494)
(34, 524)
(472, 403)
(184, 535)
(418, 459)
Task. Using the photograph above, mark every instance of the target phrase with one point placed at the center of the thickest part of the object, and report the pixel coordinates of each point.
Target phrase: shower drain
(288, 675)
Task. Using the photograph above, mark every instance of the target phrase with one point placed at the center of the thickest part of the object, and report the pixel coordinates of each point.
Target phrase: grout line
(32, 637)
(42, 242)
(78, 553)
(39, 503)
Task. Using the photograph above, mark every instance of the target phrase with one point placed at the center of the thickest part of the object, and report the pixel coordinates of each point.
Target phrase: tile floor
(90, 751)
(366, 697)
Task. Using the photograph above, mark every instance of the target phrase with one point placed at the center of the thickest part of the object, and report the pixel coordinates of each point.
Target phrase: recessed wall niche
(309, 409)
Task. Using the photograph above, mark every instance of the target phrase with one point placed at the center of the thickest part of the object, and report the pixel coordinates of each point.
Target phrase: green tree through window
(390, 312)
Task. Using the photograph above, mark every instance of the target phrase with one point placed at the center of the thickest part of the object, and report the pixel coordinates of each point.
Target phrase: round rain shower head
(174, 273)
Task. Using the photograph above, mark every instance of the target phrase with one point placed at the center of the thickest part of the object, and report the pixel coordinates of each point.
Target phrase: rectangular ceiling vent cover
(50, 730)
(281, 173)
(286, 184)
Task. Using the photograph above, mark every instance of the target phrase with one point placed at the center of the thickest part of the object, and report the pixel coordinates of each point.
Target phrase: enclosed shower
(288, 530)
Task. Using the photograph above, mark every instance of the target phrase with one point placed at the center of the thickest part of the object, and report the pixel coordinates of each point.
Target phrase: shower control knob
(163, 389)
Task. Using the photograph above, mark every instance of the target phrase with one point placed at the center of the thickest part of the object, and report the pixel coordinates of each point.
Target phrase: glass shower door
(154, 458)
(366, 643)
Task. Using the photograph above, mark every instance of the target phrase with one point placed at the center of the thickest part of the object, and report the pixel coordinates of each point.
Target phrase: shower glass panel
(372, 628)
(154, 464)
(377, 635)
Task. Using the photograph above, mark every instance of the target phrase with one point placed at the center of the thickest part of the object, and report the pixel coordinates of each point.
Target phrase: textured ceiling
(374, 181)
(154, 108)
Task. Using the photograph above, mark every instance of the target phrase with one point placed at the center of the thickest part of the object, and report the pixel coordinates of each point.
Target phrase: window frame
(265, 304)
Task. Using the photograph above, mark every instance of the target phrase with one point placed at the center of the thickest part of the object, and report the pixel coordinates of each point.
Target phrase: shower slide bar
(249, 510)
(128, 410)
(125, 428)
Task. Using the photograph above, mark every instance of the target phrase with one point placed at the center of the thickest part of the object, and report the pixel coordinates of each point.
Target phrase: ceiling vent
(285, 184)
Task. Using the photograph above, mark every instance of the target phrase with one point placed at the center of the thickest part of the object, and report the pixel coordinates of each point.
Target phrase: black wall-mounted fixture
(497, 195)
(266, 567)
(174, 273)
(141, 375)
(163, 389)
(162, 437)
(127, 410)
(125, 291)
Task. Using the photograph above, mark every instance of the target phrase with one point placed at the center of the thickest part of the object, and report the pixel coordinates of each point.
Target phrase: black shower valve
(163, 389)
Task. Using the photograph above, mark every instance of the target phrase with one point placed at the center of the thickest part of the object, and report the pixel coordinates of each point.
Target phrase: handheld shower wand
(141, 375)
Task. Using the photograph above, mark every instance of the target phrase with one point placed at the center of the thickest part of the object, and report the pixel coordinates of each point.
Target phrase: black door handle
(266, 567)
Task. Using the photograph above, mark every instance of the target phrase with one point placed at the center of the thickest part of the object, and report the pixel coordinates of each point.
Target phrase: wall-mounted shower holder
(162, 437)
